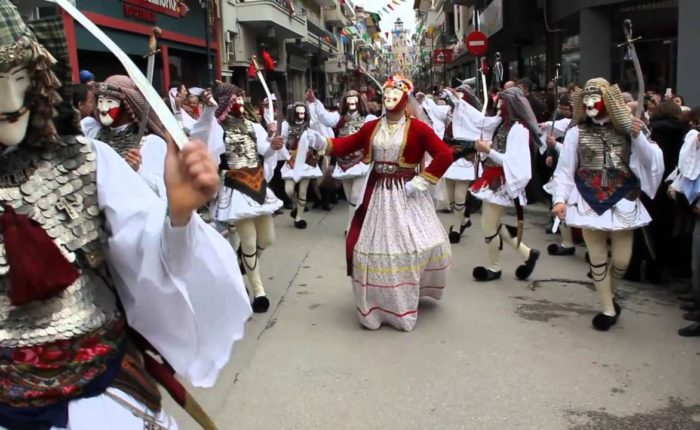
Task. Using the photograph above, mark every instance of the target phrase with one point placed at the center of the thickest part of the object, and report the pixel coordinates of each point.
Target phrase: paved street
(505, 355)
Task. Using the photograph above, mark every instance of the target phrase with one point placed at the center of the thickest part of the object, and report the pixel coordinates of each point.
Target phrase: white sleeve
(566, 167)
(265, 149)
(329, 119)
(516, 161)
(688, 160)
(496, 157)
(647, 163)
(179, 287)
(152, 169)
(208, 130)
(90, 127)
(558, 147)
(470, 124)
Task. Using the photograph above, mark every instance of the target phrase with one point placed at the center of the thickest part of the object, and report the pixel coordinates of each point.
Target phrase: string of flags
(390, 7)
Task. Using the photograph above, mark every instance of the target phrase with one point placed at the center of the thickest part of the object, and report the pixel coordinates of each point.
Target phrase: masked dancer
(94, 268)
(397, 249)
(604, 165)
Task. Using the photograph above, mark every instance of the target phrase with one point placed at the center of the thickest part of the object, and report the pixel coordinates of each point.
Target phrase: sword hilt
(156, 33)
(254, 60)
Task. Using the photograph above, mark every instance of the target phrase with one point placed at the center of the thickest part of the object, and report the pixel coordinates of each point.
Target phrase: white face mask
(392, 97)
(300, 114)
(352, 102)
(590, 101)
(106, 107)
(14, 85)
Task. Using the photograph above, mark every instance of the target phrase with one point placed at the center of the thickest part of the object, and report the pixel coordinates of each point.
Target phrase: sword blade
(151, 95)
(143, 125)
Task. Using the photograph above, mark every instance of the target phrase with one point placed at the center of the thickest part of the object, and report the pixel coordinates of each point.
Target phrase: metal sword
(632, 51)
(151, 56)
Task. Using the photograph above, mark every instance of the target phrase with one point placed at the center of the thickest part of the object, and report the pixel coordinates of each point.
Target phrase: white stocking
(249, 250)
(301, 200)
(597, 244)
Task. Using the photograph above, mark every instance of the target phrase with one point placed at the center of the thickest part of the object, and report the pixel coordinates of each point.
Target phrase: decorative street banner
(442, 56)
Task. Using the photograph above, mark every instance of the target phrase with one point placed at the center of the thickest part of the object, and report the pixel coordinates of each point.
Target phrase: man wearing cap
(86, 77)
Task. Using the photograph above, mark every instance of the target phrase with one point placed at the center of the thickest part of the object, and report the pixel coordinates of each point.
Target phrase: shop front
(182, 56)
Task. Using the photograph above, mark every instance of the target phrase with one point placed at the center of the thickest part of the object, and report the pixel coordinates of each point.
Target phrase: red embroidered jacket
(418, 139)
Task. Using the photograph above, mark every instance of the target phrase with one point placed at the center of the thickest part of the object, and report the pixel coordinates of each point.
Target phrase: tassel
(38, 269)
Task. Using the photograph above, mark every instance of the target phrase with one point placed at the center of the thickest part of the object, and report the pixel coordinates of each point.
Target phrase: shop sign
(171, 8)
(139, 13)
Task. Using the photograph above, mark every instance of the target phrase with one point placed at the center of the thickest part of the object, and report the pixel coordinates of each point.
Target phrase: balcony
(262, 14)
(336, 17)
(326, 3)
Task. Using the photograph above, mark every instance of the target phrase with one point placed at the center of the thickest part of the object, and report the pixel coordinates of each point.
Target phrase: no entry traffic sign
(477, 43)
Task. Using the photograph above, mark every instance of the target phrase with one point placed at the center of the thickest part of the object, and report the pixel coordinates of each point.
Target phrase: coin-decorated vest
(61, 347)
(293, 138)
(498, 143)
(603, 176)
(349, 124)
(245, 171)
(121, 139)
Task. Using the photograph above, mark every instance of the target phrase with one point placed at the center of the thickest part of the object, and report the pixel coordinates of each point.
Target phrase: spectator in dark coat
(669, 232)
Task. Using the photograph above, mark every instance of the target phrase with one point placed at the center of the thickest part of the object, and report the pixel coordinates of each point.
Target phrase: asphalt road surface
(503, 355)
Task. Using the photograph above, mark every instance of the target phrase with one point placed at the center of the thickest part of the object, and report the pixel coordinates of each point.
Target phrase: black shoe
(293, 213)
(603, 322)
(557, 249)
(689, 297)
(278, 212)
(688, 307)
(454, 236)
(260, 305)
(525, 270)
(301, 225)
(447, 211)
(692, 330)
(681, 289)
(326, 207)
(482, 274)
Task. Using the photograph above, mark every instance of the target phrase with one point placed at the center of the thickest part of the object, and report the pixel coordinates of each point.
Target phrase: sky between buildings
(404, 11)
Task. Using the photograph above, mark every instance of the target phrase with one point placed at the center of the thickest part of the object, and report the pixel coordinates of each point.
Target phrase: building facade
(183, 44)
(583, 36)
